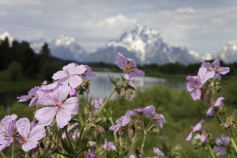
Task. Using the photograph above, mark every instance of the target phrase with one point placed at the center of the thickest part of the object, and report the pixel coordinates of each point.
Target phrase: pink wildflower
(29, 137)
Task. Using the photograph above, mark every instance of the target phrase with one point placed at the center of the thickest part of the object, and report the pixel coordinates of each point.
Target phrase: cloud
(19, 3)
(185, 10)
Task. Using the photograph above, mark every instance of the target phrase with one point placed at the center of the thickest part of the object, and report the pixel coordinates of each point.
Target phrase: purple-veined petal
(139, 72)
(71, 105)
(23, 98)
(23, 127)
(63, 116)
(59, 75)
(130, 76)
(37, 133)
(79, 70)
(30, 144)
(69, 67)
(75, 81)
(46, 115)
(189, 136)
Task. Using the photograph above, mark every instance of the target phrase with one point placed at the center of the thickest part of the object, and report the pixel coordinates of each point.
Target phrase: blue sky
(199, 25)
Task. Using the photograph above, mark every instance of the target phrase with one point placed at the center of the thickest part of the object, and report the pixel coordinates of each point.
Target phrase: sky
(199, 25)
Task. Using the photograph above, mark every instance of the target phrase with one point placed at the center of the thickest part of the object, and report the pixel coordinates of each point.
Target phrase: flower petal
(46, 115)
(59, 75)
(71, 105)
(223, 70)
(37, 133)
(30, 144)
(63, 117)
(23, 127)
(75, 81)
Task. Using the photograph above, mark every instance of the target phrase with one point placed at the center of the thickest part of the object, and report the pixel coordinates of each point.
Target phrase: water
(100, 86)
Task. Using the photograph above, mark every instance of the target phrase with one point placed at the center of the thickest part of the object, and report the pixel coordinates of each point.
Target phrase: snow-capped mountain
(145, 46)
(8, 35)
(228, 53)
(65, 47)
(37, 44)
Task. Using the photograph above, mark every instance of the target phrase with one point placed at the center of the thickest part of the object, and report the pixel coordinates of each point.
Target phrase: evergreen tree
(45, 50)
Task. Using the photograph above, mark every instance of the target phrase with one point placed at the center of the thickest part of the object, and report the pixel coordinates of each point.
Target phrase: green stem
(115, 135)
(144, 139)
(81, 120)
(70, 142)
(212, 154)
(102, 107)
(233, 142)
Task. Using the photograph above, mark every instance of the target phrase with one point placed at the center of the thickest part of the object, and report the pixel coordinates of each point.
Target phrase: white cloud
(185, 10)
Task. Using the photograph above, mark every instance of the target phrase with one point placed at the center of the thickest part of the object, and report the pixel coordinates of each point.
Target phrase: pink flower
(109, 145)
(149, 111)
(159, 119)
(7, 126)
(204, 74)
(122, 121)
(88, 73)
(218, 104)
(97, 104)
(32, 94)
(57, 105)
(196, 128)
(215, 67)
(70, 74)
(157, 152)
(29, 137)
(194, 84)
(129, 66)
(75, 132)
(221, 144)
(73, 92)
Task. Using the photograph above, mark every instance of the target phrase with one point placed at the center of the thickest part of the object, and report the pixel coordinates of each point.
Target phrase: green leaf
(113, 80)
(66, 147)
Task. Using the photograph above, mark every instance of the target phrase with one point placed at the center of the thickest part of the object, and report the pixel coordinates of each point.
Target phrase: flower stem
(115, 135)
(233, 142)
(13, 149)
(144, 139)
(80, 117)
(212, 154)
(102, 107)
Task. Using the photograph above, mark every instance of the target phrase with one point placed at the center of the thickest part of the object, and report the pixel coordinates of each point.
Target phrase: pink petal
(71, 105)
(210, 112)
(207, 65)
(216, 148)
(196, 94)
(63, 117)
(223, 70)
(23, 127)
(189, 136)
(37, 133)
(226, 140)
(30, 144)
(75, 81)
(59, 75)
(23, 98)
(219, 102)
(69, 67)
(46, 115)
(216, 63)
(218, 141)
(79, 70)
(32, 102)
(223, 151)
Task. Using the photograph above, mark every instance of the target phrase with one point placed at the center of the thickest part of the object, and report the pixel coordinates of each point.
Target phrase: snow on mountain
(145, 45)
(228, 53)
(37, 44)
(8, 35)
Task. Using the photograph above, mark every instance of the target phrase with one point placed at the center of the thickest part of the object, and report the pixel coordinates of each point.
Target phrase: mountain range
(142, 44)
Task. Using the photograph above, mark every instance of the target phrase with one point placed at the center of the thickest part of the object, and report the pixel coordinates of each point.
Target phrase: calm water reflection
(100, 86)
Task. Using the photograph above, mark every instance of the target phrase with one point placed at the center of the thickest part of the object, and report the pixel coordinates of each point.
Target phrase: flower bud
(100, 130)
(34, 153)
(120, 131)
(42, 152)
(130, 133)
(95, 135)
(73, 92)
(122, 92)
